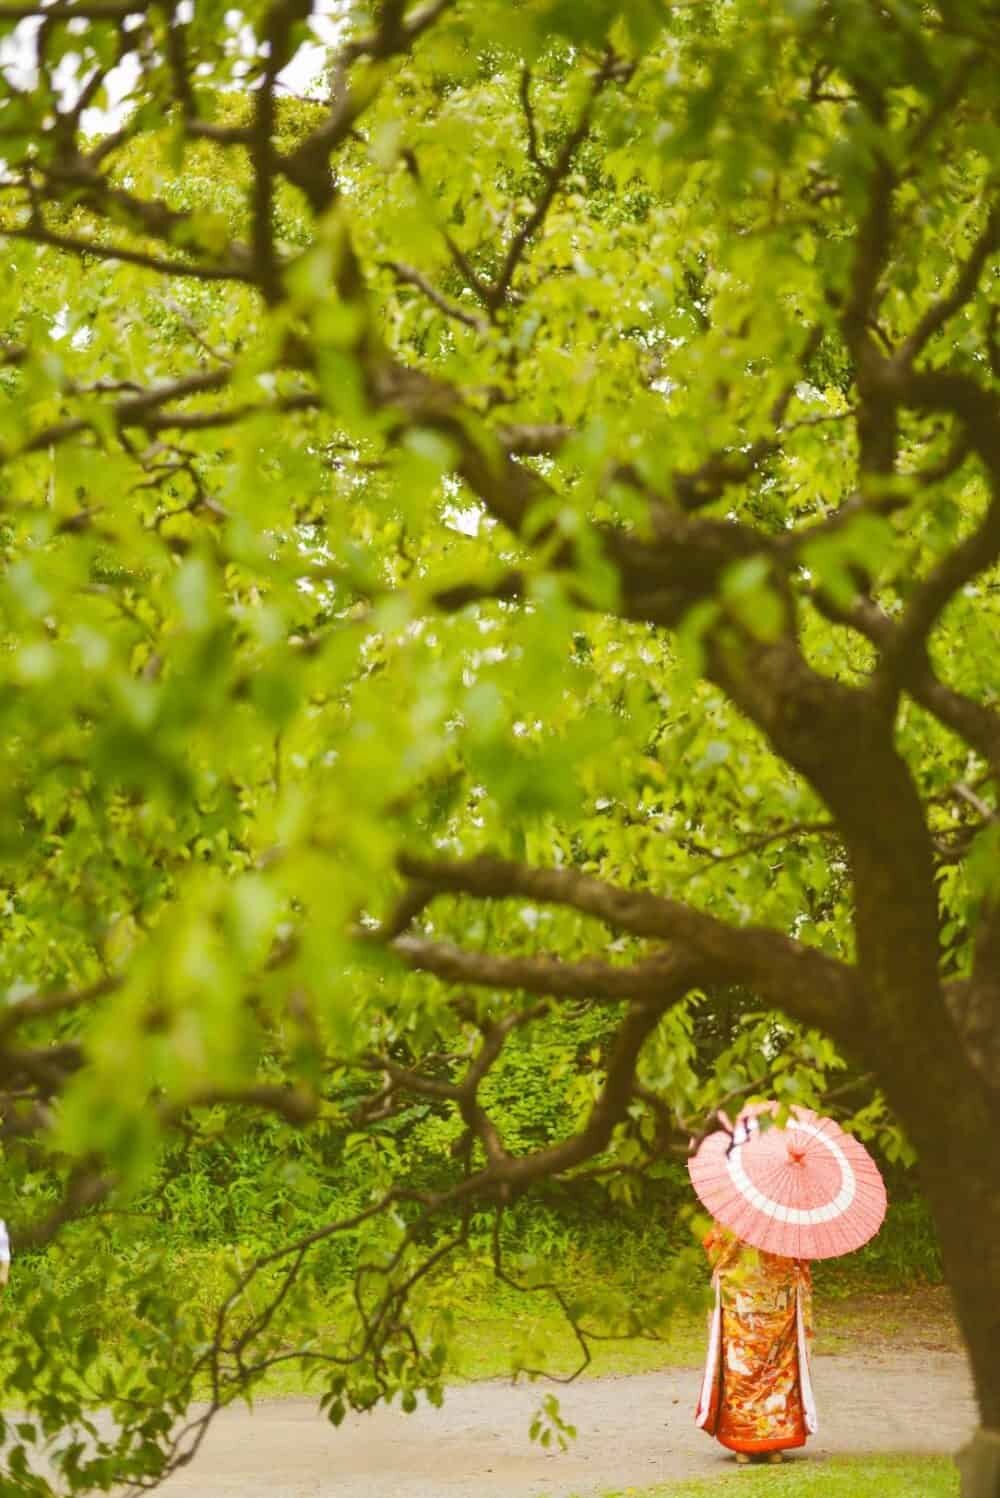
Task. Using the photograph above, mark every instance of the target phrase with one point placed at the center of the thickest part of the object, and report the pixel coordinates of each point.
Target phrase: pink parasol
(805, 1191)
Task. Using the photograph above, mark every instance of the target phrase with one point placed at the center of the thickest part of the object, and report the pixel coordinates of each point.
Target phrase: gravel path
(633, 1431)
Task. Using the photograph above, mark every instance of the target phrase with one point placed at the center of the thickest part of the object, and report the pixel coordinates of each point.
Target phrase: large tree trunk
(961, 1178)
(979, 1464)
(931, 1078)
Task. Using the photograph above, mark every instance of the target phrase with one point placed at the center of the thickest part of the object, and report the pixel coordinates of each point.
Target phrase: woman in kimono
(756, 1396)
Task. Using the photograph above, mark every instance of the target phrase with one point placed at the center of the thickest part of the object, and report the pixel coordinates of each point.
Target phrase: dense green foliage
(498, 630)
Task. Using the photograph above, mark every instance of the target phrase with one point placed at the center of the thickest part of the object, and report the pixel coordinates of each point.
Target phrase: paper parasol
(805, 1191)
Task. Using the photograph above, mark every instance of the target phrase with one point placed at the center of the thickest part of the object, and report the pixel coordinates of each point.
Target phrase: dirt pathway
(633, 1431)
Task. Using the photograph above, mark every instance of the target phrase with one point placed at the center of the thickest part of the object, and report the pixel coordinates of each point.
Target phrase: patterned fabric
(757, 1394)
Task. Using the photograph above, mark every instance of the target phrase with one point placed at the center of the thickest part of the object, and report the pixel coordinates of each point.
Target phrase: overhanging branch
(809, 985)
(588, 978)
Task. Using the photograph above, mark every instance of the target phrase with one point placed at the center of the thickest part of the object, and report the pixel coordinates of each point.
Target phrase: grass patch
(889, 1477)
(492, 1346)
(515, 1332)
(527, 1332)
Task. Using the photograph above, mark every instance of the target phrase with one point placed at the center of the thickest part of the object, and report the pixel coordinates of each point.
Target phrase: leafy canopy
(499, 554)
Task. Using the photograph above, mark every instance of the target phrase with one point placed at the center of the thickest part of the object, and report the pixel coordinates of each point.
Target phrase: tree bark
(979, 1465)
(906, 1032)
(952, 1118)
(962, 1184)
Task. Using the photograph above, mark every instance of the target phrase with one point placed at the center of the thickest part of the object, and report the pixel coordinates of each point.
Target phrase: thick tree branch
(588, 978)
(87, 1188)
(612, 1103)
(308, 165)
(38, 233)
(871, 252)
(876, 414)
(43, 1005)
(407, 275)
(531, 128)
(723, 469)
(295, 1105)
(396, 31)
(554, 175)
(978, 411)
(661, 578)
(146, 410)
(279, 23)
(960, 394)
(907, 645)
(810, 985)
(966, 284)
(975, 722)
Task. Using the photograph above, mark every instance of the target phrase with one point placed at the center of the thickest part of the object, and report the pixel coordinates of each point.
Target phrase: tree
(520, 532)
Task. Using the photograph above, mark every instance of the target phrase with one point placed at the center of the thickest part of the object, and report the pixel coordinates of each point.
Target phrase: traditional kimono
(756, 1394)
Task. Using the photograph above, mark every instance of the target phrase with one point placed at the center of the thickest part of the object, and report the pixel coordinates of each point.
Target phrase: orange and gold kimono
(757, 1394)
